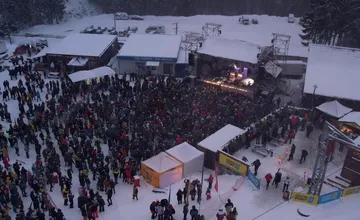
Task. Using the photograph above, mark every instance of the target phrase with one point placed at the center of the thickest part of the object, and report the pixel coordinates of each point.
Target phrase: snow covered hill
(76, 9)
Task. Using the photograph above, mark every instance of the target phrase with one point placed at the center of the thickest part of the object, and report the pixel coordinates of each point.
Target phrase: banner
(328, 197)
(254, 179)
(304, 198)
(233, 163)
(351, 191)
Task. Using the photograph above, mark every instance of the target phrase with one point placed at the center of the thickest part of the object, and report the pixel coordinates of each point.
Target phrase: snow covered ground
(263, 204)
(260, 34)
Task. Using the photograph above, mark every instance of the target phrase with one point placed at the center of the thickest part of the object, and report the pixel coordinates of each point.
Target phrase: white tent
(220, 138)
(334, 108)
(90, 74)
(161, 170)
(192, 159)
(352, 117)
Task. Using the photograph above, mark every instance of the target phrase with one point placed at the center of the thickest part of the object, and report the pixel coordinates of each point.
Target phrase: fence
(325, 198)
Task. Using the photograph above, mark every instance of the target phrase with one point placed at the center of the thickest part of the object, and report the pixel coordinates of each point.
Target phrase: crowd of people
(102, 131)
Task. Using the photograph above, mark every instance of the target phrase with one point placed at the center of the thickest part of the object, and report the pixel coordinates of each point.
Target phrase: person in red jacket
(268, 179)
(210, 181)
(208, 194)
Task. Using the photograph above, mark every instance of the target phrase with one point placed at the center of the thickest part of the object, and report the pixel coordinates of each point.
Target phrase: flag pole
(202, 181)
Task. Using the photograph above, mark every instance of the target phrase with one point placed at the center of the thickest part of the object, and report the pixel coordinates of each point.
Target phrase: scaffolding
(319, 172)
(191, 43)
(281, 44)
(211, 30)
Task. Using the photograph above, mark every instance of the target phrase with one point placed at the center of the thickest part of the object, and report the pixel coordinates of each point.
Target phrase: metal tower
(191, 43)
(211, 30)
(319, 172)
(281, 43)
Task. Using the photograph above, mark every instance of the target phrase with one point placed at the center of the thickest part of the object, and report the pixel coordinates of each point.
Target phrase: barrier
(254, 179)
(233, 163)
(329, 197)
(350, 191)
(305, 198)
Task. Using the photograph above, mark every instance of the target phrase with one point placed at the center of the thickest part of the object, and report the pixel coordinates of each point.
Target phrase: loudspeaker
(191, 59)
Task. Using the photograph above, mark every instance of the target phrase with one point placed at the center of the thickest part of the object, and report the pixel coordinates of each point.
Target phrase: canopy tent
(78, 61)
(334, 109)
(192, 159)
(161, 170)
(90, 74)
(218, 141)
(352, 117)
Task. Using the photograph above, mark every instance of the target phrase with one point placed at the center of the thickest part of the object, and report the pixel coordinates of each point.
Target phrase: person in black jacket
(304, 154)
(179, 196)
(71, 200)
(101, 204)
(109, 194)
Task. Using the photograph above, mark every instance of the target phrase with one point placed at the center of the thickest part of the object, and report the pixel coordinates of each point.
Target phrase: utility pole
(115, 21)
(176, 27)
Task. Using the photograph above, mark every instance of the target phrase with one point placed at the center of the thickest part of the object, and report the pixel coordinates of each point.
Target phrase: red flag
(216, 186)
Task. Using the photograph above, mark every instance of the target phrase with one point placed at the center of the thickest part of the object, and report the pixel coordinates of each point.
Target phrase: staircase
(337, 182)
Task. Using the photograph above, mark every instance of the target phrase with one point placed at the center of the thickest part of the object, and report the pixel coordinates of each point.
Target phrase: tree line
(18, 14)
(332, 22)
(208, 7)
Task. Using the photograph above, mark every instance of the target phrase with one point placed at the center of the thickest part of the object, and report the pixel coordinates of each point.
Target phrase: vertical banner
(254, 179)
(216, 186)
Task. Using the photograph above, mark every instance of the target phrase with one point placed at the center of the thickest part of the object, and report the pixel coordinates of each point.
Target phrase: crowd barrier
(325, 198)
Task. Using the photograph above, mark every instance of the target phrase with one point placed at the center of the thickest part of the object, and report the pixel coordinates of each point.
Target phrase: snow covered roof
(90, 74)
(352, 117)
(230, 49)
(184, 152)
(151, 47)
(220, 138)
(334, 70)
(334, 108)
(182, 57)
(78, 61)
(83, 45)
(161, 162)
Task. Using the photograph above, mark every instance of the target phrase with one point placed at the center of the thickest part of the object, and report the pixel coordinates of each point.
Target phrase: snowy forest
(18, 14)
(332, 22)
(210, 7)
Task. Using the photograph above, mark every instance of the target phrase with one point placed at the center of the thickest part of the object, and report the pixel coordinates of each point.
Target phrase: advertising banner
(351, 191)
(150, 176)
(304, 198)
(233, 163)
(328, 197)
(254, 179)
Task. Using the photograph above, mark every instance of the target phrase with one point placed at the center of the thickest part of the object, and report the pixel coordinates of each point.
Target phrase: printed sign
(233, 163)
(305, 198)
(254, 179)
(328, 197)
(351, 191)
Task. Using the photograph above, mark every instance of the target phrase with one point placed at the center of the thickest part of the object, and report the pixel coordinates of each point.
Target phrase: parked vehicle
(121, 16)
(291, 18)
(244, 20)
(254, 21)
(155, 29)
(136, 17)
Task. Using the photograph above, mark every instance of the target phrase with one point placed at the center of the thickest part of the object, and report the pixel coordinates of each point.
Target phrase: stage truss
(211, 30)
(319, 173)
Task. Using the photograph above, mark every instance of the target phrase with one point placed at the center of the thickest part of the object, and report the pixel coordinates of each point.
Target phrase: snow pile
(76, 9)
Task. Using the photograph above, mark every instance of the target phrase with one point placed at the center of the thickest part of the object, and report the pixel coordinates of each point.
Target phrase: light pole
(313, 102)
